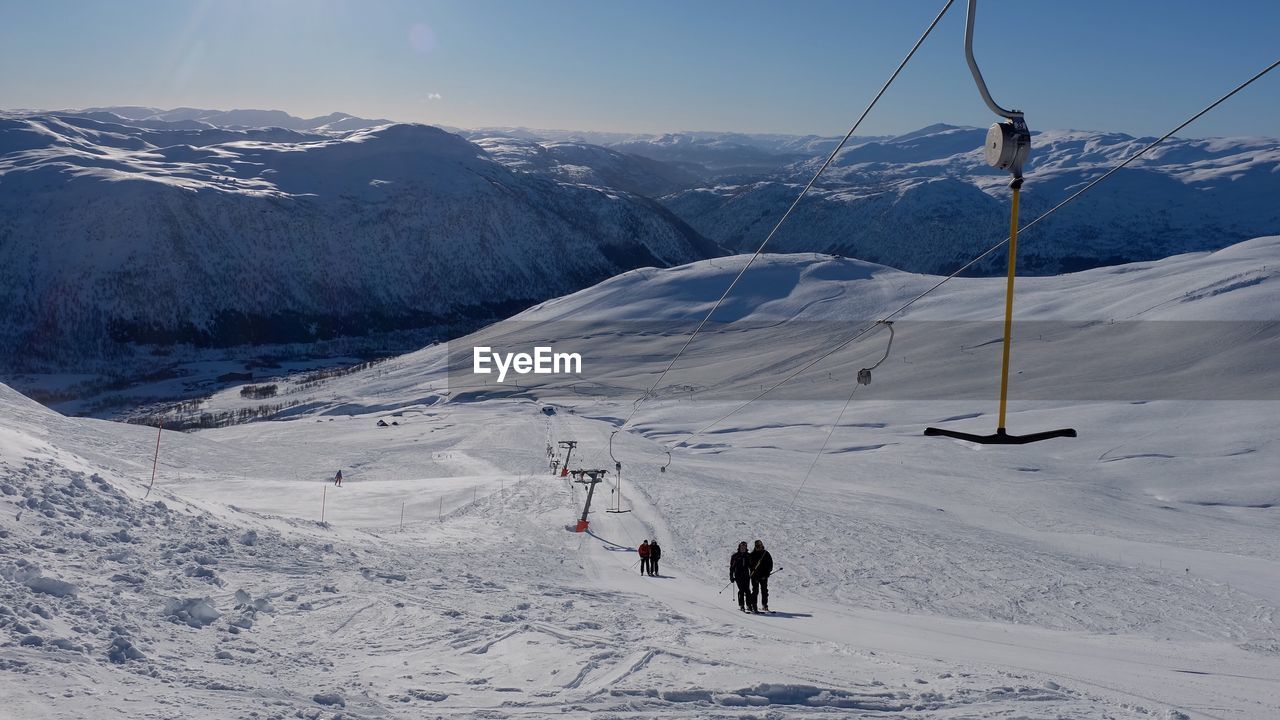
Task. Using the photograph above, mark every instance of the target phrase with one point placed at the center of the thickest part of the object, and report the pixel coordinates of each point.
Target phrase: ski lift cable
(1085, 189)
(649, 393)
(864, 378)
(978, 258)
(789, 378)
(831, 431)
(595, 456)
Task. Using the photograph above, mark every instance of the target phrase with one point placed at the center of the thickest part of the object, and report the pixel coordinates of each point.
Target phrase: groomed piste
(1129, 572)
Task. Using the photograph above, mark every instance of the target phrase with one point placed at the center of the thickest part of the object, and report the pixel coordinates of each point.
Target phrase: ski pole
(726, 587)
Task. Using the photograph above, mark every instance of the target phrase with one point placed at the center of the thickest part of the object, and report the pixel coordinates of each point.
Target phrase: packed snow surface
(1131, 572)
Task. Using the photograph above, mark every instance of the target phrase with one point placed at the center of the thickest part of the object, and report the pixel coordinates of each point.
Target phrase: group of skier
(650, 554)
(751, 571)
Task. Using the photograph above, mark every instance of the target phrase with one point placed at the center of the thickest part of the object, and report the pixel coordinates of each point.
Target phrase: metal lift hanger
(1007, 147)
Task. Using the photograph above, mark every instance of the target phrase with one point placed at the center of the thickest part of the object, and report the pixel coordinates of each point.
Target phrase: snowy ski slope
(1129, 573)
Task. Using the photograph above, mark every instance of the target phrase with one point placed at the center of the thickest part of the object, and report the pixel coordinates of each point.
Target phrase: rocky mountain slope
(926, 201)
(111, 235)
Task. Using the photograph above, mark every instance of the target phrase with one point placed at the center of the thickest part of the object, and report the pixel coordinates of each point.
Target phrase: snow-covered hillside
(1127, 573)
(112, 606)
(927, 202)
(582, 163)
(113, 236)
(132, 239)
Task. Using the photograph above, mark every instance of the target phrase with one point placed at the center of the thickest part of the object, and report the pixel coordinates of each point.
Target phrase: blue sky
(800, 66)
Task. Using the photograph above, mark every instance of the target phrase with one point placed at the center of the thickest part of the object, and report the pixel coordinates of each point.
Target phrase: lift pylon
(569, 445)
(590, 478)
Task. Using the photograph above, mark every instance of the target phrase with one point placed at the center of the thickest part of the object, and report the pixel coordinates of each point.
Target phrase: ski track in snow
(1094, 578)
(560, 624)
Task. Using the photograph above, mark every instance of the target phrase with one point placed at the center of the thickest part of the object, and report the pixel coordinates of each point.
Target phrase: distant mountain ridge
(197, 117)
(927, 202)
(113, 235)
(583, 163)
(258, 227)
(711, 155)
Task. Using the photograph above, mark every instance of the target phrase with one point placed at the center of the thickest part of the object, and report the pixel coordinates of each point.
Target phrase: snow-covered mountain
(586, 164)
(264, 231)
(710, 155)
(336, 122)
(728, 154)
(1131, 573)
(926, 201)
(112, 234)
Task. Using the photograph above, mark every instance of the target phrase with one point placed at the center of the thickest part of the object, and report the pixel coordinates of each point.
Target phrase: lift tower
(590, 478)
(568, 445)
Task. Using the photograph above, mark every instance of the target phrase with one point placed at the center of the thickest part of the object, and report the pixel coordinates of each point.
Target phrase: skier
(761, 569)
(644, 557)
(337, 479)
(655, 554)
(740, 572)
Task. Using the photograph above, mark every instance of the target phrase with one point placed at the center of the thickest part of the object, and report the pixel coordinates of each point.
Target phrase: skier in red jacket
(644, 557)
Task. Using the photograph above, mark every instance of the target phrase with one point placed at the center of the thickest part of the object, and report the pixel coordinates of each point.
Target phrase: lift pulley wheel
(1008, 145)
